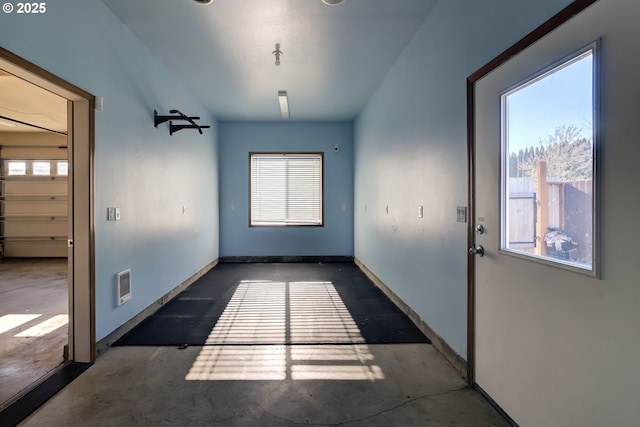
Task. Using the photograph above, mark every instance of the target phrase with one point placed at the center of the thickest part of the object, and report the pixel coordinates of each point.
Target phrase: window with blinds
(286, 189)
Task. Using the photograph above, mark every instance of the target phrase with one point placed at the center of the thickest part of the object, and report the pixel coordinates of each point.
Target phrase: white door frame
(80, 118)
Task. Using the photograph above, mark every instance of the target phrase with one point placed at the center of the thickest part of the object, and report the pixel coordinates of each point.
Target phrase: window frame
(30, 169)
(320, 154)
(35, 164)
(593, 270)
(7, 168)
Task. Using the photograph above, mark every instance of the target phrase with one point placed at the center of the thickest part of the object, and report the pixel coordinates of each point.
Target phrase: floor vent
(123, 286)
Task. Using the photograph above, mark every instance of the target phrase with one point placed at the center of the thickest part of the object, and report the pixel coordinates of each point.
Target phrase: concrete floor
(30, 287)
(355, 385)
(352, 383)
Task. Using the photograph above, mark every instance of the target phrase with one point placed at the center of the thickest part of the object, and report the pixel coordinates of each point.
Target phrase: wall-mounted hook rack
(158, 119)
(177, 115)
(175, 128)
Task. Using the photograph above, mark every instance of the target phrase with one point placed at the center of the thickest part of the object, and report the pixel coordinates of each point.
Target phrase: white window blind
(286, 189)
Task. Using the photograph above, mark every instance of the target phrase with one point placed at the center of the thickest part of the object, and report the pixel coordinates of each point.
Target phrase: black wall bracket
(177, 115)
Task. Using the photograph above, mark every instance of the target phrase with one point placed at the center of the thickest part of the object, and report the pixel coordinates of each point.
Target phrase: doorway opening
(46, 228)
(34, 201)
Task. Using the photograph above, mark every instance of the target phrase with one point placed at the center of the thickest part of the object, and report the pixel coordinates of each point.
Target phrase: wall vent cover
(123, 286)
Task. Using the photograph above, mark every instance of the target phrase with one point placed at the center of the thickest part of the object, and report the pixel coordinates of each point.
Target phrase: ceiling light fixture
(277, 53)
(332, 2)
(203, 1)
(284, 103)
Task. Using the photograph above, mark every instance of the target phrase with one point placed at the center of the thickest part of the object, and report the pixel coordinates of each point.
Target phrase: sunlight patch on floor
(248, 341)
(260, 362)
(45, 327)
(11, 321)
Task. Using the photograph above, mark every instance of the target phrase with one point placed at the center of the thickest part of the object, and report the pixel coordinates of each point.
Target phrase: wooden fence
(534, 210)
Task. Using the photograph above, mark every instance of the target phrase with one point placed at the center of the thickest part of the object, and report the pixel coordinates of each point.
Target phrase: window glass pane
(63, 168)
(16, 168)
(548, 160)
(286, 189)
(42, 168)
(268, 189)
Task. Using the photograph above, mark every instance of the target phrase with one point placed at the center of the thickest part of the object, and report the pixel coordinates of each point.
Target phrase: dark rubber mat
(297, 303)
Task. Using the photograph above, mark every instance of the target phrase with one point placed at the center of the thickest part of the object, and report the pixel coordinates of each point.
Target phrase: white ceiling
(333, 58)
(28, 103)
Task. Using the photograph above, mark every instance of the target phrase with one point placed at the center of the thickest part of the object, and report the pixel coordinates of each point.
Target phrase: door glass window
(548, 164)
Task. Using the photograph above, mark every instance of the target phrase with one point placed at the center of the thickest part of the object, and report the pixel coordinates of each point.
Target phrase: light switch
(461, 214)
(420, 211)
(113, 214)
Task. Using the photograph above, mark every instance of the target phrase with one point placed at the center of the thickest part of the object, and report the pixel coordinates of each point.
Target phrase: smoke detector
(332, 2)
(203, 1)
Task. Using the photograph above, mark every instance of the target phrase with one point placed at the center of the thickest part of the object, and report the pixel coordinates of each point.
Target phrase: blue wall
(144, 171)
(410, 150)
(237, 139)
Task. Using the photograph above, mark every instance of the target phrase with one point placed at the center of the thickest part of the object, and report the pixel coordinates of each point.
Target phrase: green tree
(569, 156)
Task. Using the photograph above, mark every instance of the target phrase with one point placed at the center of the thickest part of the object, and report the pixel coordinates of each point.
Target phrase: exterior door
(542, 306)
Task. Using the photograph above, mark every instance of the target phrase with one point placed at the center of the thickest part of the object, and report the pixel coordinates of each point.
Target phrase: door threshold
(38, 395)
